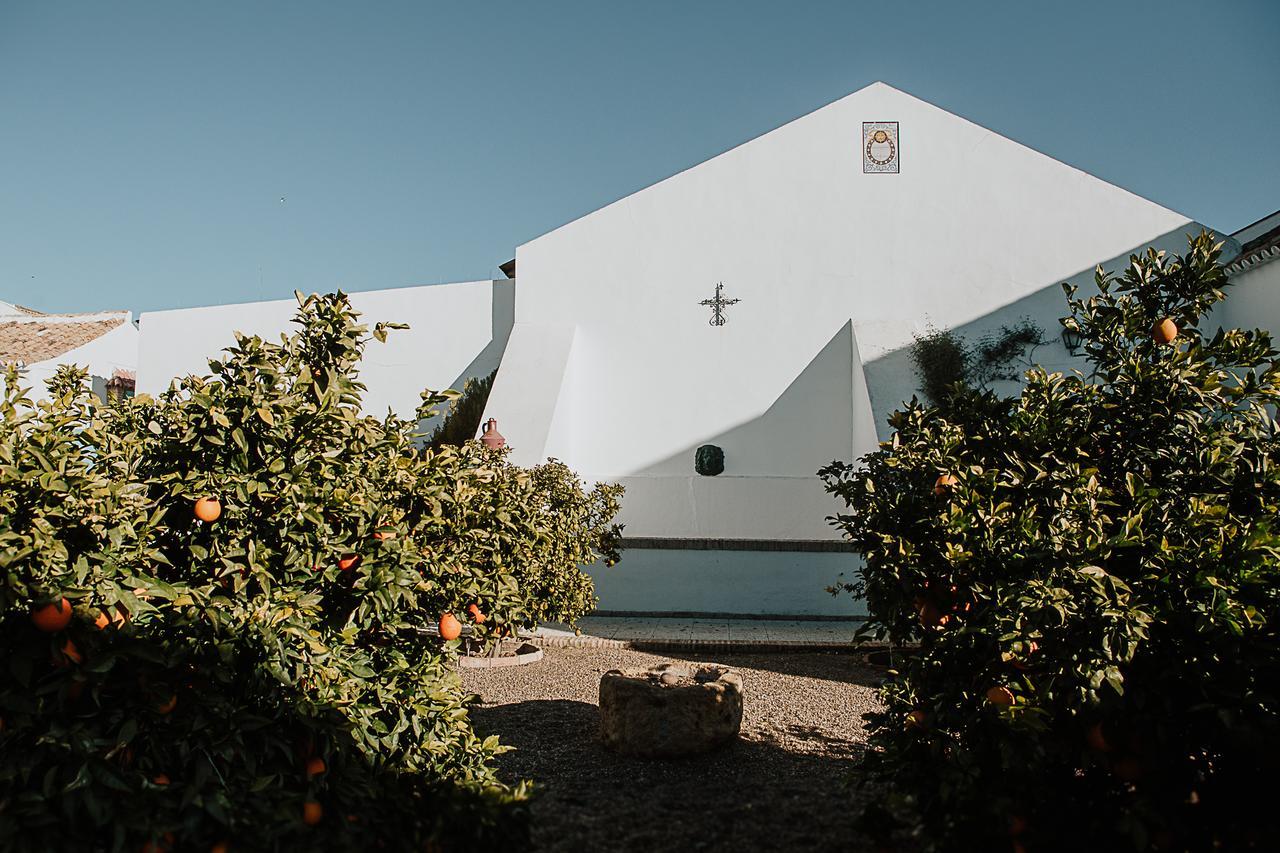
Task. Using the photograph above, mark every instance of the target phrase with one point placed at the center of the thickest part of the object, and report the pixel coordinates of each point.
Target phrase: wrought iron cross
(717, 306)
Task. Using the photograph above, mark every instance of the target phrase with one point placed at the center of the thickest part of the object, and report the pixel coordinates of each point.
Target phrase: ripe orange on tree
(161, 779)
(348, 561)
(312, 812)
(71, 652)
(930, 615)
(52, 617)
(944, 484)
(450, 627)
(1096, 739)
(999, 695)
(164, 845)
(477, 614)
(208, 510)
(1164, 331)
(915, 720)
(315, 766)
(168, 705)
(102, 621)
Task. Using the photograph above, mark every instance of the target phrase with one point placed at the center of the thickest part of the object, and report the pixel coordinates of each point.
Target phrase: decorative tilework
(880, 152)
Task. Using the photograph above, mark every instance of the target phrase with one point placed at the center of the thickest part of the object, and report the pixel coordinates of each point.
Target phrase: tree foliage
(265, 680)
(1090, 571)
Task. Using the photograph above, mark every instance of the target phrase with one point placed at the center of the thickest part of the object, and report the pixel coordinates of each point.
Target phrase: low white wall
(102, 357)
(740, 582)
(1253, 300)
(456, 332)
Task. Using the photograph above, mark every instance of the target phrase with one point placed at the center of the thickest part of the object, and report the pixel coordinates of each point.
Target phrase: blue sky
(145, 147)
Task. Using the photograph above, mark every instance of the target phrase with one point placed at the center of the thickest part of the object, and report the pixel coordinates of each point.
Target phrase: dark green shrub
(1090, 570)
(206, 664)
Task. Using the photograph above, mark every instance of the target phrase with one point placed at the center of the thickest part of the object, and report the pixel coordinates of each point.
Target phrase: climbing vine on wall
(945, 359)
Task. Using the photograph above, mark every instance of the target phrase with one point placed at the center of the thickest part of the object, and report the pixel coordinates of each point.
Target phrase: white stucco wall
(1253, 300)
(102, 357)
(456, 332)
(836, 270)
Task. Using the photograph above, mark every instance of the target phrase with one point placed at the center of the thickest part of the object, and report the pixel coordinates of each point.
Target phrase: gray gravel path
(784, 786)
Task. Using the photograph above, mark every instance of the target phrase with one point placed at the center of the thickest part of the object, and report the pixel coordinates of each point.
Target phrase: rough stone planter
(671, 710)
(508, 654)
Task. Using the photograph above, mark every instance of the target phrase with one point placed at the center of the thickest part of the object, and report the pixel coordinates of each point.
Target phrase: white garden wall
(456, 332)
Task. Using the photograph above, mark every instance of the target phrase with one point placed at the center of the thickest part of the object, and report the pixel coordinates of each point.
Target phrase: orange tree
(1090, 571)
(213, 610)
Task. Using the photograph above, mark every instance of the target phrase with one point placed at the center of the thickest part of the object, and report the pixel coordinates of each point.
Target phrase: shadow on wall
(893, 379)
(837, 408)
(814, 420)
(502, 318)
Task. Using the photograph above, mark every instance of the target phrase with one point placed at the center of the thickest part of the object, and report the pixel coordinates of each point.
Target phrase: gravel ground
(783, 786)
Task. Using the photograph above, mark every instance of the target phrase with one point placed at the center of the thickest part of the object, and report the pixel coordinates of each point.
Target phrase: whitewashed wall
(456, 332)
(102, 357)
(836, 269)
(1253, 300)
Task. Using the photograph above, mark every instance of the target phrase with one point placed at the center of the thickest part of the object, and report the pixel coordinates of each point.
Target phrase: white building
(837, 238)
(105, 343)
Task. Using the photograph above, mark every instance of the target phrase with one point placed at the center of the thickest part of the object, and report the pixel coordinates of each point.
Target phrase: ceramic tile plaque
(880, 146)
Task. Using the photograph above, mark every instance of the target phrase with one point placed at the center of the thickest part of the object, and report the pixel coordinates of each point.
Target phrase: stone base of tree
(518, 656)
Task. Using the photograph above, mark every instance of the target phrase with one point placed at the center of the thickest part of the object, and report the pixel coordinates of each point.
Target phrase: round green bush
(1090, 570)
(268, 680)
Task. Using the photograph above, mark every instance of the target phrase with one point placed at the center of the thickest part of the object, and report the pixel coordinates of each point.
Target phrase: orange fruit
(1096, 739)
(476, 614)
(220, 847)
(930, 615)
(915, 720)
(348, 561)
(102, 620)
(312, 812)
(52, 617)
(168, 705)
(72, 653)
(208, 510)
(1001, 696)
(160, 779)
(944, 484)
(315, 767)
(450, 627)
(162, 846)
(1164, 331)
(384, 534)
(1127, 769)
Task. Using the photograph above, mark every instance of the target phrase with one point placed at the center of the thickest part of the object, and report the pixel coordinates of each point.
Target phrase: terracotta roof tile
(32, 341)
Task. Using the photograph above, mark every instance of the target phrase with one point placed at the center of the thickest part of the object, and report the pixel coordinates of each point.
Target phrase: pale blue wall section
(744, 582)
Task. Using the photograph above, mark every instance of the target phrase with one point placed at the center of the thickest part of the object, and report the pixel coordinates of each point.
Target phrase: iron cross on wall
(717, 306)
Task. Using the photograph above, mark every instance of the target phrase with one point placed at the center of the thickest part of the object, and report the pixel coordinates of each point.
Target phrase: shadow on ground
(784, 790)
